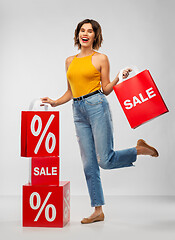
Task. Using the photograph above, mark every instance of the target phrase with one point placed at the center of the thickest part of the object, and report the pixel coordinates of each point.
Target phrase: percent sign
(38, 131)
(38, 203)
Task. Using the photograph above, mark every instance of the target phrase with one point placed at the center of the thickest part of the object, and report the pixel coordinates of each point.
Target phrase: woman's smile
(85, 39)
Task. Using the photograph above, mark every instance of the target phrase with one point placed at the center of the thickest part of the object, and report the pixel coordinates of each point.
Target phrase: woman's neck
(85, 52)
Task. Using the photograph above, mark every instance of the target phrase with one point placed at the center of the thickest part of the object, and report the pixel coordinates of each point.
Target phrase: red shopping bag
(140, 98)
(39, 133)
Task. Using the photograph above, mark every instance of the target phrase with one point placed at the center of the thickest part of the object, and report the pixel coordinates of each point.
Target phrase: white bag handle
(134, 68)
(35, 105)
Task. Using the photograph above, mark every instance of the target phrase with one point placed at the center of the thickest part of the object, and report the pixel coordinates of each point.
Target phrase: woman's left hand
(126, 72)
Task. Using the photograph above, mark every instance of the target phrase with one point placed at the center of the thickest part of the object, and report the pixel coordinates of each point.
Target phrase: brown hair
(97, 30)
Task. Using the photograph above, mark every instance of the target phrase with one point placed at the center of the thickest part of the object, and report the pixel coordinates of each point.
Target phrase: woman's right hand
(48, 100)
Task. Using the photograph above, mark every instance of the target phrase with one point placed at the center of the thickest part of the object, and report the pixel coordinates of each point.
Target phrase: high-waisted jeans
(94, 130)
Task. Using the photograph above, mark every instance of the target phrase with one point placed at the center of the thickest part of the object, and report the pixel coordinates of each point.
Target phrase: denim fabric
(94, 130)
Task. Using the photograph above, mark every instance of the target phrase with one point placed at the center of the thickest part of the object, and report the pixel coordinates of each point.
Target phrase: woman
(87, 73)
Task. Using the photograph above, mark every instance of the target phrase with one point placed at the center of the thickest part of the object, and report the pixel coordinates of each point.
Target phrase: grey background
(37, 37)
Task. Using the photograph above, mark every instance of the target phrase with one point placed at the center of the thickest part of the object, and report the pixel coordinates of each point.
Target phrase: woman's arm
(64, 99)
(67, 95)
(107, 86)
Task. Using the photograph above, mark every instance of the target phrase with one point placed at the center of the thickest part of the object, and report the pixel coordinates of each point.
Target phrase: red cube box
(39, 133)
(45, 171)
(46, 206)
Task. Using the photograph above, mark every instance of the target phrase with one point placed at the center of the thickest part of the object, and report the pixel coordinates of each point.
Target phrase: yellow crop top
(83, 77)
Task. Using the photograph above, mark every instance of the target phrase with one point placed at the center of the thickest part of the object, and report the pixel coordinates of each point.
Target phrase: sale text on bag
(149, 93)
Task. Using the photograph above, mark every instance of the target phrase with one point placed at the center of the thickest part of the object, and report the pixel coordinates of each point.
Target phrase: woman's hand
(126, 72)
(48, 100)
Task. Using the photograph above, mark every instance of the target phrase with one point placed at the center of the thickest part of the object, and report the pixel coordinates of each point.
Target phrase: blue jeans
(94, 130)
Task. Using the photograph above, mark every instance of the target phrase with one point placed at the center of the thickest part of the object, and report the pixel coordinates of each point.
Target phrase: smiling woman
(87, 75)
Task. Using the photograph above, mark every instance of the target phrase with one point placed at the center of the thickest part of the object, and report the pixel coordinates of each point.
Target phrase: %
(38, 204)
(38, 131)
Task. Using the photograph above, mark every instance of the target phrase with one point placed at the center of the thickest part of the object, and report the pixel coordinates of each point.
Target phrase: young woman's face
(86, 35)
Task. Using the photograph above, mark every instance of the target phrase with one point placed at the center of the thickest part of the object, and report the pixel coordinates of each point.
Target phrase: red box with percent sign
(39, 133)
(45, 171)
(46, 206)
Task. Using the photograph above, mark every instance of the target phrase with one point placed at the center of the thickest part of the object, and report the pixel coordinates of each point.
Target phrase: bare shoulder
(101, 57)
(69, 60)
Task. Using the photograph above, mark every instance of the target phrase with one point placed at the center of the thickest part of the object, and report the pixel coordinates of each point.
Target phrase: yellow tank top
(83, 77)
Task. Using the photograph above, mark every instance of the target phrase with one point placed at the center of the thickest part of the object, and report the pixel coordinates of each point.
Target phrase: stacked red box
(45, 171)
(46, 199)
